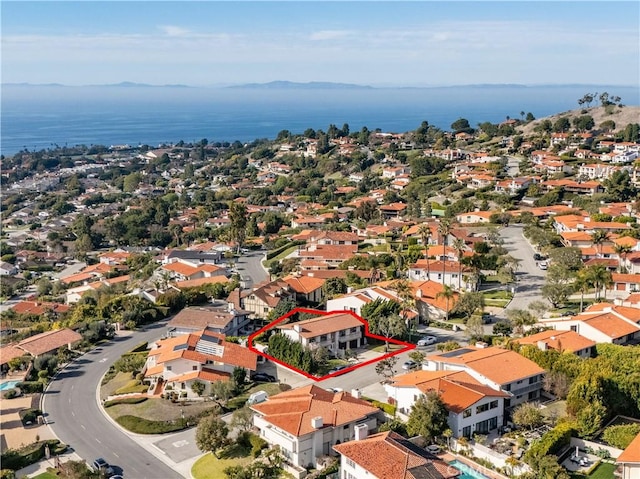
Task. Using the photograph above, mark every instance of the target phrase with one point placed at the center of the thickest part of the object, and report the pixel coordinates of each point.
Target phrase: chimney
(419, 293)
(356, 393)
(317, 422)
(297, 328)
(542, 346)
(361, 431)
(349, 290)
(231, 307)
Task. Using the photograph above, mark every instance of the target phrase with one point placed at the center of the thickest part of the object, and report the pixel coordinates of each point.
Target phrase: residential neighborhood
(453, 301)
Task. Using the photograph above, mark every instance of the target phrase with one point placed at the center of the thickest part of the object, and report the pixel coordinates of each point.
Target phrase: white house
(474, 408)
(7, 269)
(388, 455)
(204, 356)
(335, 332)
(501, 369)
(307, 422)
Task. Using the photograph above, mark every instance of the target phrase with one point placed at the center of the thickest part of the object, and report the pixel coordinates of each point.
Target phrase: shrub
(621, 435)
(29, 415)
(257, 445)
(113, 402)
(15, 459)
(10, 394)
(550, 442)
(31, 387)
(7, 474)
(140, 425)
(387, 408)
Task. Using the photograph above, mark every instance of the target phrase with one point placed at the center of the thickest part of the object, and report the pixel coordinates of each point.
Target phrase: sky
(416, 43)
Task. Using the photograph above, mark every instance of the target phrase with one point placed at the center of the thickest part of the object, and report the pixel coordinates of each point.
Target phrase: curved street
(71, 408)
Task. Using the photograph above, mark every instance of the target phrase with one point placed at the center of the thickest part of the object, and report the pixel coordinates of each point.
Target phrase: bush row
(141, 425)
(15, 459)
(390, 409)
(140, 347)
(135, 400)
(31, 387)
(551, 442)
(273, 253)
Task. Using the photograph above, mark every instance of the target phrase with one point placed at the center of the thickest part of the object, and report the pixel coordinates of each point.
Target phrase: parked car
(338, 369)
(409, 365)
(100, 465)
(427, 340)
(433, 449)
(543, 265)
(257, 397)
(538, 257)
(263, 378)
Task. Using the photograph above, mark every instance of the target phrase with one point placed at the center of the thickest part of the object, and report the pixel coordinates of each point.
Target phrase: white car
(543, 265)
(427, 340)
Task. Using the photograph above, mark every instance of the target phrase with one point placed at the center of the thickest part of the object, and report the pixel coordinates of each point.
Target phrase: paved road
(513, 166)
(530, 278)
(70, 405)
(249, 265)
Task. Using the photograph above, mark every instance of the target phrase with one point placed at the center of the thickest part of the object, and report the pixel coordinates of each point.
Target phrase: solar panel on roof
(180, 346)
(457, 352)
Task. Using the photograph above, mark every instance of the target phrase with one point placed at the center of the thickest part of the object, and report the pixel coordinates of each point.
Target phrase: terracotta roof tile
(49, 341)
(632, 453)
(559, 340)
(330, 323)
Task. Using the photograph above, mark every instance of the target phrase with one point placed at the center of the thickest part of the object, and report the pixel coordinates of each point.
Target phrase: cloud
(324, 35)
(174, 31)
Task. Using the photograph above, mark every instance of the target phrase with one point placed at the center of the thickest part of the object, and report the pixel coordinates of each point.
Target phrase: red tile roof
(326, 324)
(388, 455)
(292, 411)
(49, 341)
(632, 453)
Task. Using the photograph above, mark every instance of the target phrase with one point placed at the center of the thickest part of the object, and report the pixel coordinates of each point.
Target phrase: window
(493, 423)
(345, 426)
(350, 463)
(533, 380)
(266, 309)
(323, 337)
(507, 387)
(466, 413)
(168, 368)
(194, 368)
(533, 394)
(466, 432)
(482, 408)
(493, 404)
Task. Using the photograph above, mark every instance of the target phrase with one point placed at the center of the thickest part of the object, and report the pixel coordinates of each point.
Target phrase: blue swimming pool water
(8, 385)
(467, 471)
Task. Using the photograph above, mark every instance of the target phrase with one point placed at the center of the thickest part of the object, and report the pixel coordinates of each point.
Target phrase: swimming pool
(8, 385)
(467, 471)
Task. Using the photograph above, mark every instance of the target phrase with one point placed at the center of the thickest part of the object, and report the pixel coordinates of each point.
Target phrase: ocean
(39, 117)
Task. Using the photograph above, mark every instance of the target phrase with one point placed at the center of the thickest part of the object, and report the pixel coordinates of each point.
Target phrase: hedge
(551, 442)
(15, 459)
(134, 400)
(140, 347)
(29, 415)
(31, 387)
(387, 408)
(140, 425)
(273, 253)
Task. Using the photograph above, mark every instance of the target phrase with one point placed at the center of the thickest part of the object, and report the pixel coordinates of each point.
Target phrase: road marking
(73, 414)
(82, 426)
(98, 440)
(103, 360)
(115, 454)
(180, 443)
(72, 386)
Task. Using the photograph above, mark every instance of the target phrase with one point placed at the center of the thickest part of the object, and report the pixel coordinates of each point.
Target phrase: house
(307, 288)
(388, 455)
(328, 254)
(561, 341)
(39, 344)
(501, 369)
(602, 323)
(392, 210)
(222, 319)
(307, 422)
(473, 407)
(204, 356)
(629, 461)
(335, 332)
(449, 273)
(39, 308)
(474, 217)
(355, 300)
(265, 297)
(7, 269)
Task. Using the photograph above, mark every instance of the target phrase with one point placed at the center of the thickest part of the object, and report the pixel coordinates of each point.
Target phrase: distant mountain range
(283, 85)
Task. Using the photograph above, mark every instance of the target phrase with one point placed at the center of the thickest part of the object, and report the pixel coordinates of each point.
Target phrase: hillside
(621, 117)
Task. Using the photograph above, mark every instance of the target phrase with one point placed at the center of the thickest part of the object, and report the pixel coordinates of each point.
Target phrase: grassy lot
(46, 475)
(159, 409)
(500, 294)
(119, 381)
(603, 471)
(555, 409)
(270, 388)
(284, 254)
(209, 467)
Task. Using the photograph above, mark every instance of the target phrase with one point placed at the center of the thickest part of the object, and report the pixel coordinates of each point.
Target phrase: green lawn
(46, 475)
(208, 467)
(282, 255)
(603, 471)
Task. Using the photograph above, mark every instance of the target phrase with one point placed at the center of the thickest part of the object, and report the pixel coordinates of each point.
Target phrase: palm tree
(425, 234)
(598, 237)
(444, 228)
(600, 277)
(459, 246)
(407, 300)
(447, 293)
(622, 250)
(583, 284)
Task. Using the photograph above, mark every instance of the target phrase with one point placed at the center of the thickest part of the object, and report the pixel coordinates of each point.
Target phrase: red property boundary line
(407, 346)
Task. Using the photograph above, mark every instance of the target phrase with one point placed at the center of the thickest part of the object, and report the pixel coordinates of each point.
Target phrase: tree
(425, 234)
(385, 367)
(238, 216)
(417, 356)
(475, 328)
(520, 318)
(221, 392)
(590, 419)
(558, 284)
(469, 302)
(619, 186)
(212, 434)
(198, 387)
(528, 415)
(598, 276)
(239, 377)
(334, 287)
(502, 328)
(444, 229)
(459, 247)
(242, 419)
(598, 238)
(388, 326)
(461, 124)
(447, 346)
(44, 287)
(428, 417)
(448, 294)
